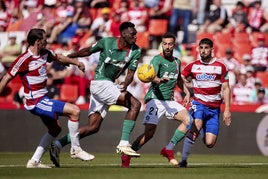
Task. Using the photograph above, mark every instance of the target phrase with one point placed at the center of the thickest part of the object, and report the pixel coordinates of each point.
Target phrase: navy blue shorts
(209, 116)
(49, 108)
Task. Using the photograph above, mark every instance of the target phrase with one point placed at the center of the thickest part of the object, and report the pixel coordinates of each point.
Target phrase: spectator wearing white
(10, 52)
(257, 86)
(259, 55)
(241, 91)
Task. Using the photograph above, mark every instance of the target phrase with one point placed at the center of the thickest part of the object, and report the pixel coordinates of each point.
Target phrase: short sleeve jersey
(164, 68)
(114, 60)
(33, 74)
(207, 79)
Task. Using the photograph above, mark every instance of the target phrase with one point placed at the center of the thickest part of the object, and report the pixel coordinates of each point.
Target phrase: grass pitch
(149, 166)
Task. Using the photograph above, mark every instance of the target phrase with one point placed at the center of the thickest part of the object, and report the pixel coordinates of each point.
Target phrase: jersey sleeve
(98, 46)
(187, 70)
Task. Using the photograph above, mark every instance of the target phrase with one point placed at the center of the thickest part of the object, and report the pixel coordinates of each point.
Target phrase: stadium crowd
(240, 37)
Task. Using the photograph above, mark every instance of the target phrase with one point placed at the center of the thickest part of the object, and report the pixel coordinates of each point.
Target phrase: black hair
(169, 35)
(240, 3)
(126, 25)
(35, 34)
(206, 41)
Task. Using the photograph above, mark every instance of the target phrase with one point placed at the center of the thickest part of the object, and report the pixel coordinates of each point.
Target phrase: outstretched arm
(227, 96)
(84, 52)
(66, 60)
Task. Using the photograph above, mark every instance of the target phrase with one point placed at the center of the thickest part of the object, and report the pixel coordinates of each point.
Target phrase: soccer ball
(146, 73)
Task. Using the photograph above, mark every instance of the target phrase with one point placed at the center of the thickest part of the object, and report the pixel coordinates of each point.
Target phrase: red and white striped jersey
(33, 74)
(207, 79)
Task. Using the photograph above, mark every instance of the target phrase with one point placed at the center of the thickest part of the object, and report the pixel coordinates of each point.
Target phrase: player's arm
(84, 52)
(128, 79)
(181, 85)
(67, 60)
(7, 77)
(227, 97)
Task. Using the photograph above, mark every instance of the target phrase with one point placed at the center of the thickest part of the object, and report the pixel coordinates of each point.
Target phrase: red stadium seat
(68, 92)
(263, 76)
(158, 27)
(143, 40)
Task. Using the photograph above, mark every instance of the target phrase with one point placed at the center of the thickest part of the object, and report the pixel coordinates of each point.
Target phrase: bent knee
(210, 145)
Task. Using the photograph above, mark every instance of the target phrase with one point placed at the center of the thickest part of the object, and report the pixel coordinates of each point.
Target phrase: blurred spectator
(123, 9)
(53, 90)
(246, 62)
(239, 19)
(233, 66)
(114, 27)
(30, 14)
(81, 14)
(100, 26)
(4, 16)
(203, 9)
(182, 9)
(257, 86)
(2, 70)
(217, 18)
(259, 55)
(99, 3)
(10, 51)
(137, 14)
(160, 10)
(250, 73)
(64, 28)
(261, 98)
(188, 56)
(255, 17)
(241, 91)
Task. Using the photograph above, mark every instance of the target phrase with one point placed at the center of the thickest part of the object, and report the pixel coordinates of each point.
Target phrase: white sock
(123, 142)
(74, 133)
(42, 147)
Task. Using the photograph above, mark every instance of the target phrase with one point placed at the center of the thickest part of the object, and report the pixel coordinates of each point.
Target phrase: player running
(209, 81)
(160, 101)
(117, 54)
(31, 68)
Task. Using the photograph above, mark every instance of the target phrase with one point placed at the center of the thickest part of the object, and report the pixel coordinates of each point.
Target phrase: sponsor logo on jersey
(205, 77)
(206, 69)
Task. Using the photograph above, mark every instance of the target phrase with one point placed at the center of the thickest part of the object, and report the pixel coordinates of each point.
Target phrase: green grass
(149, 166)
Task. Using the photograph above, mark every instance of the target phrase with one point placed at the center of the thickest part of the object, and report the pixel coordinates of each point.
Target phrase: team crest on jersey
(42, 71)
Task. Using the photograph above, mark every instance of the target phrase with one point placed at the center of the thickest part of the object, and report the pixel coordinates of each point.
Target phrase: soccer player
(209, 82)
(117, 54)
(160, 101)
(31, 67)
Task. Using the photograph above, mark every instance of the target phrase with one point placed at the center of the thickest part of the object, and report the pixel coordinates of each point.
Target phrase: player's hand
(186, 100)
(227, 118)
(81, 66)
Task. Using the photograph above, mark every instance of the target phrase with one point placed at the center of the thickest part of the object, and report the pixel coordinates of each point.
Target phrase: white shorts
(155, 109)
(103, 94)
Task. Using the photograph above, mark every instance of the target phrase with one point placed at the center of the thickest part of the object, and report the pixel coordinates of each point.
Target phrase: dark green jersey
(164, 68)
(114, 60)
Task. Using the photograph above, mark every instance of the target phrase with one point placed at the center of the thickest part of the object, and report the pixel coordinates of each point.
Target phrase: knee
(210, 144)
(76, 111)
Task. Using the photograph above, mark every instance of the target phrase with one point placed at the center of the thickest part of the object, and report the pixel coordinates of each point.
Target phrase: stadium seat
(157, 27)
(68, 92)
(254, 38)
(222, 38)
(241, 37)
(263, 76)
(220, 49)
(240, 50)
(202, 35)
(143, 40)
